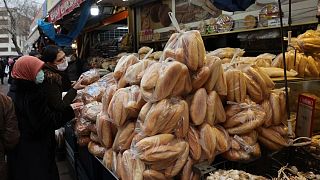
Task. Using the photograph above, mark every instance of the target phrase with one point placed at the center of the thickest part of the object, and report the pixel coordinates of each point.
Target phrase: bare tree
(21, 13)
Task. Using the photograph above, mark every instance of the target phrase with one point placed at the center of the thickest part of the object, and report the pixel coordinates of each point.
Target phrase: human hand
(77, 85)
(77, 105)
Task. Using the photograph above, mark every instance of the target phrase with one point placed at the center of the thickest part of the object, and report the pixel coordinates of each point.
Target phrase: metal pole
(284, 62)
(289, 19)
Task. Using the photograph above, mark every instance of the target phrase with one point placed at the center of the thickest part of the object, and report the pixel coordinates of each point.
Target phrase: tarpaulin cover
(66, 39)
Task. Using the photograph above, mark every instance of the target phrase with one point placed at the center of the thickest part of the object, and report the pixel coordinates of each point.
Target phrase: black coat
(55, 83)
(34, 156)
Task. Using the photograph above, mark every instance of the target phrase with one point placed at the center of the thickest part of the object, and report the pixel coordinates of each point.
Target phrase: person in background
(11, 63)
(73, 70)
(9, 132)
(56, 82)
(2, 70)
(34, 156)
(34, 53)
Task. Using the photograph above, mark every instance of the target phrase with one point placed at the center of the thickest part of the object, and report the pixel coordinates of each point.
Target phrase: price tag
(276, 22)
(304, 124)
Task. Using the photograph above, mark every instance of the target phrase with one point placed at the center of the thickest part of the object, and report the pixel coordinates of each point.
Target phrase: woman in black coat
(56, 79)
(34, 156)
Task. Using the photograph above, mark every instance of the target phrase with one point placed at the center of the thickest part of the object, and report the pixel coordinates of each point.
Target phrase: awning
(63, 8)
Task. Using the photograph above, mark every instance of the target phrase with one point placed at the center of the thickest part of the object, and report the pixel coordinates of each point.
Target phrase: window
(4, 22)
(3, 13)
(3, 49)
(3, 31)
(4, 40)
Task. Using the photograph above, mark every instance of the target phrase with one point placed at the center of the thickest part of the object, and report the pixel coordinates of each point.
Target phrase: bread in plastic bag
(106, 98)
(309, 41)
(216, 80)
(208, 141)
(278, 104)
(253, 89)
(123, 64)
(236, 85)
(90, 76)
(126, 103)
(193, 139)
(95, 149)
(278, 72)
(164, 117)
(249, 118)
(133, 167)
(187, 48)
(227, 52)
(161, 78)
(124, 137)
(93, 92)
(83, 127)
(104, 131)
(83, 140)
(91, 110)
(248, 149)
(274, 138)
(223, 139)
(150, 174)
(215, 110)
(135, 72)
(94, 137)
(108, 159)
(200, 77)
(266, 105)
(198, 106)
(175, 168)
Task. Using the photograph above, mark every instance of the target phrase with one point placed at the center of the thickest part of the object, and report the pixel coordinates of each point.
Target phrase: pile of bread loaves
(157, 119)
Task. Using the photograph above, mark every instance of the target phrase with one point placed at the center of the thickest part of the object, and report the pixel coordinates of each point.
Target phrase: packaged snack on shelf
(126, 103)
(164, 116)
(123, 64)
(91, 110)
(104, 131)
(90, 77)
(163, 79)
(135, 72)
(243, 117)
(124, 137)
(96, 149)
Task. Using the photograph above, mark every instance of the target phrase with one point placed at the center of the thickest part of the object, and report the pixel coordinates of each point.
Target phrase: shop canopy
(66, 39)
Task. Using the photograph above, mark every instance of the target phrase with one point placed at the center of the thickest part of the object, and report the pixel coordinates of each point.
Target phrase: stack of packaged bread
(157, 119)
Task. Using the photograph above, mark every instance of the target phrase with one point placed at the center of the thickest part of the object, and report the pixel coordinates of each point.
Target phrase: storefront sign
(304, 124)
(51, 4)
(63, 8)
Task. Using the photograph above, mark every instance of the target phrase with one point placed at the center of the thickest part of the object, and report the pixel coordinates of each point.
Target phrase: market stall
(186, 112)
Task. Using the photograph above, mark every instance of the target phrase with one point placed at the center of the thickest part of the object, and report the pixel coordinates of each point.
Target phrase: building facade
(7, 47)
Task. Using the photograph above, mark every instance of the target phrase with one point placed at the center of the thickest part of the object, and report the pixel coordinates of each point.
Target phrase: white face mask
(63, 66)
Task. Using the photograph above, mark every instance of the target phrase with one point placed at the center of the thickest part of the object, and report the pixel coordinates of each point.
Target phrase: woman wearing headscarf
(34, 156)
(56, 81)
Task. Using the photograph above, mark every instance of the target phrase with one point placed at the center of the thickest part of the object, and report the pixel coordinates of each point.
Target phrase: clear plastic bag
(126, 103)
(135, 72)
(208, 142)
(93, 92)
(83, 127)
(123, 64)
(133, 167)
(104, 131)
(90, 111)
(223, 140)
(250, 117)
(227, 52)
(236, 85)
(215, 110)
(90, 76)
(164, 116)
(124, 137)
(163, 79)
(216, 80)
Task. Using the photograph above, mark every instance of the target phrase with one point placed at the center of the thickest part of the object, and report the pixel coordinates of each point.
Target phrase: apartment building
(7, 47)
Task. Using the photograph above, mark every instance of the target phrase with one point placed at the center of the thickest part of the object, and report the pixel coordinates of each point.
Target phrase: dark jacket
(34, 156)
(9, 133)
(56, 82)
(2, 69)
(73, 69)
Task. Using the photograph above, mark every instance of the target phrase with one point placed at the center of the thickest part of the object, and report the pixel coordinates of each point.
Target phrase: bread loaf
(183, 85)
(208, 141)
(135, 72)
(273, 136)
(132, 166)
(153, 175)
(215, 111)
(153, 141)
(221, 84)
(187, 169)
(173, 170)
(124, 137)
(194, 143)
(198, 107)
(104, 131)
(268, 110)
(269, 144)
(107, 159)
(223, 140)
(253, 89)
(123, 64)
(183, 125)
(275, 104)
(96, 149)
(246, 127)
(200, 77)
(214, 64)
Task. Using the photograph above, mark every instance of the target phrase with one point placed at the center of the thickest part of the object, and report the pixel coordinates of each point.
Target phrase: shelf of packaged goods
(205, 36)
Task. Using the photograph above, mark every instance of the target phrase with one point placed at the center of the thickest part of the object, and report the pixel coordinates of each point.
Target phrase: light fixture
(74, 45)
(94, 10)
(122, 27)
(125, 0)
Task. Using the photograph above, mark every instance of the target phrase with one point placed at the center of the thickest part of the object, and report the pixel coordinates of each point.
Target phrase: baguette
(221, 84)
(211, 104)
(219, 109)
(230, 85)
(208, 141)
(268, 110)
(246, 127)
(183, 124)
(153, 141)
(283, 107)
(255, 75)
(253, 89)
(153, 175)
(275, 104)
(222, 140)
(124, 137)
(270, 84)
(194, 143)
(272, 136)
(187, 169)
(198, 107)
(172, 171)
(200, 77)
(312, 67)
(191, 51)
(214, 64)
(183, 85)
(282, 130)
(107, 159)
(237, 87)
(144, 111)
(242, 87)
(117, 111)
(303, 61)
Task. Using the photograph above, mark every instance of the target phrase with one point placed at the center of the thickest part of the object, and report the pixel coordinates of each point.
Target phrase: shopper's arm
(11, 134)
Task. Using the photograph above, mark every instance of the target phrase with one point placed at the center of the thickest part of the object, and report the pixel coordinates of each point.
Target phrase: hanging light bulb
(94, 10)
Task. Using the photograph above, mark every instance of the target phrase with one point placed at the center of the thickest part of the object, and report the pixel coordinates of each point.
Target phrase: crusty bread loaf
(275, 104)
(200, 77)
(215, 111)
(104, 131)
(183, 85)
(123, 65)
(198, 106)
(253, 89)
(135, 72)
(124, 137)
(96, 149)
(270, 144)
(214, 64)
(208, 141)
(268, 110)
(133, 167)
(223, 139)
(246, 127)
(153, 175)
(173, 170)
(144, 50)
(183, 125)
(194, 143)
(272, 135)
(187, 169)
(116, 110)
(153, 141)
(107, 159)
